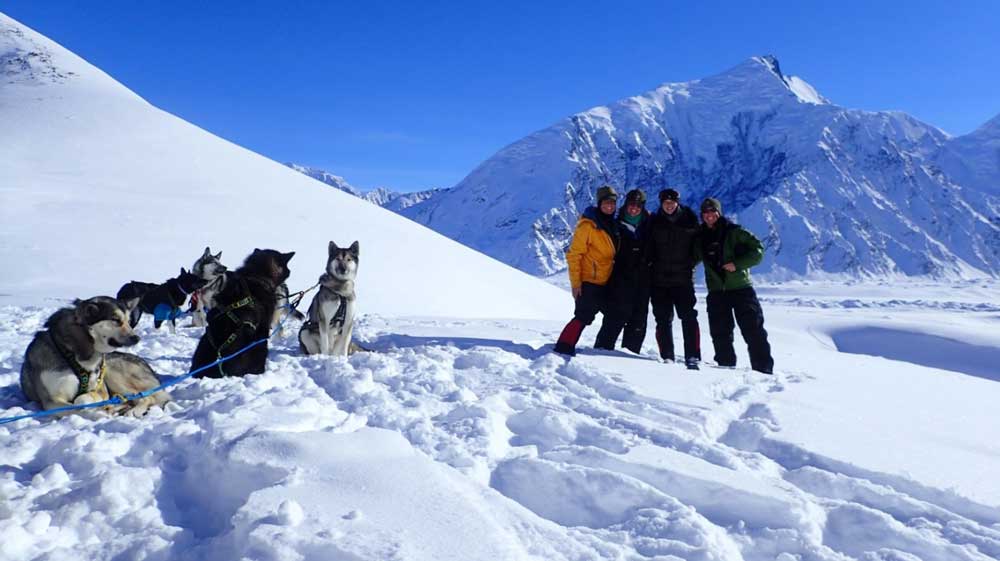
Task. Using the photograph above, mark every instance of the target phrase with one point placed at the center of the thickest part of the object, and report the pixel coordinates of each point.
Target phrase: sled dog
(210, 268)
(242, 315)
(129, 294)
(281, 309)
(72, 361)
(331, 314)
(164, 301)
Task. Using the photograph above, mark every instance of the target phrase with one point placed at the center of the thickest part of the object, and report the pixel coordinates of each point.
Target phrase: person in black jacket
(627, 302)
(671, 256)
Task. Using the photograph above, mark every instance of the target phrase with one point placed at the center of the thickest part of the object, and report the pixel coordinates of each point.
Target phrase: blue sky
(415, 94)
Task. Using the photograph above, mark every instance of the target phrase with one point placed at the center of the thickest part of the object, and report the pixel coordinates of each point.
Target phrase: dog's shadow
(12, 396)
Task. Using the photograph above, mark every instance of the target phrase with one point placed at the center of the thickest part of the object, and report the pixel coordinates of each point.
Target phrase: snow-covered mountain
(831, 190)
(974, 159)
(330, 179)
(98, 187)
(395, 201)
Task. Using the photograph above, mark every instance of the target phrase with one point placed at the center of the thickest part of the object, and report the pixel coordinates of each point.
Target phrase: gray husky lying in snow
(331, 314)
(72, 361)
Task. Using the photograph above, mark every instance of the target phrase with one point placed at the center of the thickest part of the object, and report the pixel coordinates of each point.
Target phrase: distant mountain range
(832, 191)
(395, 201)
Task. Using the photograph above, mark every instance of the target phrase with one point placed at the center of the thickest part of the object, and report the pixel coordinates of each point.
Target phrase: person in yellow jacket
(590, 258)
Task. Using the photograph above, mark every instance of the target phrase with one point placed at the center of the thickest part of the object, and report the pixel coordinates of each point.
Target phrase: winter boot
(566, 345)
(691, 363)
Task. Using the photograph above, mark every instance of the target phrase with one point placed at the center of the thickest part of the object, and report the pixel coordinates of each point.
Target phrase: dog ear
(286, 257)
(207, 253)
(87, 312)
(354, 248)
(332, 248)
(218, 256)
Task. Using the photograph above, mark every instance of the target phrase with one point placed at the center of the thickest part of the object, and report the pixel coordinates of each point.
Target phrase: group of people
(618, 264)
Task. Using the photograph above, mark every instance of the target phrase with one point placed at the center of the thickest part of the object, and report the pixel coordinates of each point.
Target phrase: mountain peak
(802, 89)
(771, 63)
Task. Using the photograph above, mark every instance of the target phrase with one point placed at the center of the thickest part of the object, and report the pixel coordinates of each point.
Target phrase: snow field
(468, 439)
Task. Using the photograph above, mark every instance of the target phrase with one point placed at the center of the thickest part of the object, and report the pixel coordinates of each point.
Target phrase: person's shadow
(392, 341)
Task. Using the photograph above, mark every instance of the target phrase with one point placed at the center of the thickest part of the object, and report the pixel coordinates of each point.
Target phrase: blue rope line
(116, 400)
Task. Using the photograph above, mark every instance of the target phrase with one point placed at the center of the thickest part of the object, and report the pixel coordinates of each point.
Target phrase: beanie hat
(606, 192)
(669, 195)
(636, 196)
(711, 204)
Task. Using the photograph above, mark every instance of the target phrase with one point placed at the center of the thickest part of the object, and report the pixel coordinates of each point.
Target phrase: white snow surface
(97, 187)
(468, 439)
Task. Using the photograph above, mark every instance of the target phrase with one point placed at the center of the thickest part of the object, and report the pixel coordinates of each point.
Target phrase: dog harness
(237, 323)
(82, 374)
(339, 317)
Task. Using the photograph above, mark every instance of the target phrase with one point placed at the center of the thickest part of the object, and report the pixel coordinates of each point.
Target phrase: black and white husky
(331, 314)
(71, 362)
(210, 268)
(164, 301)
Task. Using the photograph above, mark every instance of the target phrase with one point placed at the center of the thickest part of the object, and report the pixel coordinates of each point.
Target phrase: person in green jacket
(728, 252)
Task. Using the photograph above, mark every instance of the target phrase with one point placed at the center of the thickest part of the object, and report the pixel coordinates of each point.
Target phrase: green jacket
(727, 243)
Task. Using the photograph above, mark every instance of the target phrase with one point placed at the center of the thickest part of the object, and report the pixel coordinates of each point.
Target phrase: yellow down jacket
(591, 254)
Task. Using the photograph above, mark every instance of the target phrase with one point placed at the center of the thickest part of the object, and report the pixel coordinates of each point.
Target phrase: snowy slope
(833, 191)
(97, 188)
(470, 440)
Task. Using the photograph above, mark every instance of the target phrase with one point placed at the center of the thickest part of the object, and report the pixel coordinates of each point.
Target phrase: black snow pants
(665, 300)
(592, 300)
(743, 304)
(626, 310)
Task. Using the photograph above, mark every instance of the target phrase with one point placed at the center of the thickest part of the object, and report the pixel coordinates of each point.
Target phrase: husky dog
(282, 307)
(210, 268)
(242, 315)
(129, 294)
(71, 362)
(331, 314)
(164, 301)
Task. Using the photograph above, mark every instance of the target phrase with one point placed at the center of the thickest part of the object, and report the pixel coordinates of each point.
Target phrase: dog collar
(82, 374)
(85, 378)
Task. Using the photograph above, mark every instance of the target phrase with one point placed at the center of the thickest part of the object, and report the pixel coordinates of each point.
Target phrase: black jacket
(670, 247)
(630, 261)
(629, 283)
